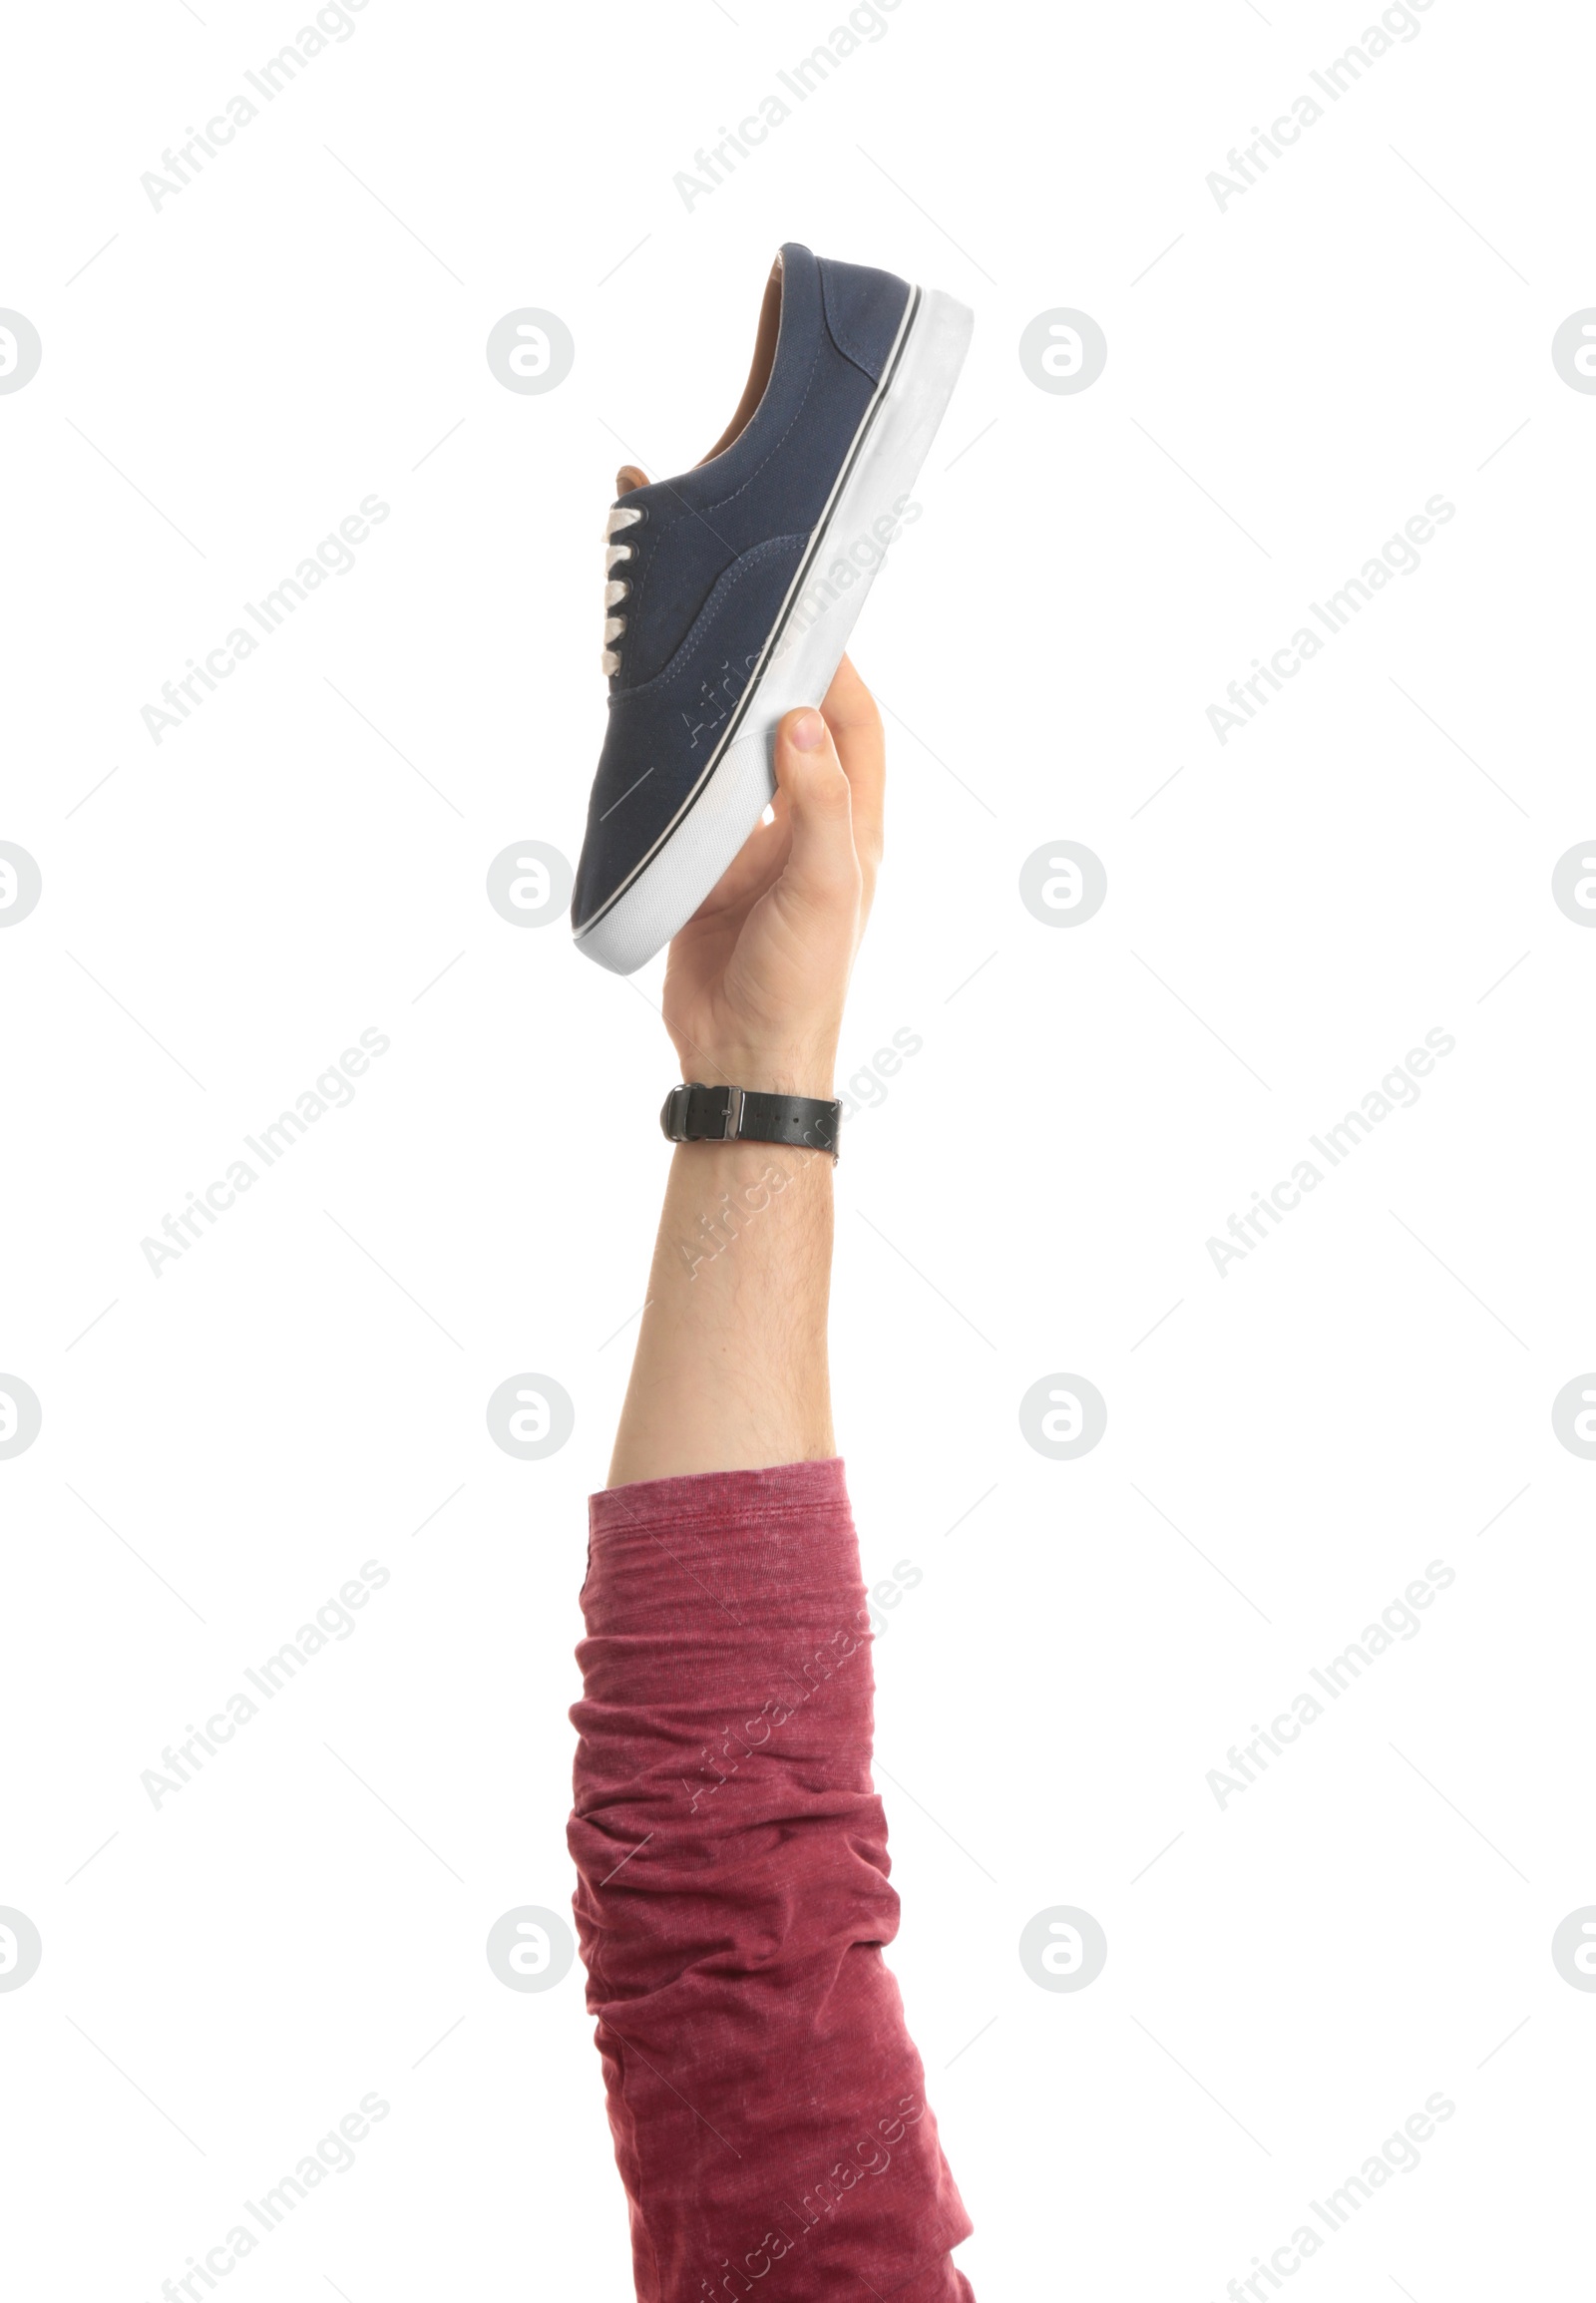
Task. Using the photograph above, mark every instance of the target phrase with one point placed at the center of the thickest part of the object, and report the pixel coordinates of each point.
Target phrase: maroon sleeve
(767, 2104)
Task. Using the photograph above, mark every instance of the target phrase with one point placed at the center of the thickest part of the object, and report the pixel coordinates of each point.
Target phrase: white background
(1293, 376)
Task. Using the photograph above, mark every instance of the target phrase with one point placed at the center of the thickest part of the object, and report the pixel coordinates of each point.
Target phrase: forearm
(730, 1372)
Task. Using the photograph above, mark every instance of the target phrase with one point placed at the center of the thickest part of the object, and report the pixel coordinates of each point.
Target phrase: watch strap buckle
(694, 1113)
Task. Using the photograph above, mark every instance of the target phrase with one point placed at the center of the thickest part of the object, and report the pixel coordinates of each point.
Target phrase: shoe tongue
(631, 476)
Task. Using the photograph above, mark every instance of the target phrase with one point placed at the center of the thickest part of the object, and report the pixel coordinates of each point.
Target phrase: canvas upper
(713, 557)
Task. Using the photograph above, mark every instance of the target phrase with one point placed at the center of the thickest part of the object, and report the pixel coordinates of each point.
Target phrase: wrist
(774, 1071)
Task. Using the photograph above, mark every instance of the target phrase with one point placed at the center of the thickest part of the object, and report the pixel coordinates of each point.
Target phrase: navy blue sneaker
(732, 590)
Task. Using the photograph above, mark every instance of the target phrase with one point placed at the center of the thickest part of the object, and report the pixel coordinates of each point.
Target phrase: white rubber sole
(806, 643)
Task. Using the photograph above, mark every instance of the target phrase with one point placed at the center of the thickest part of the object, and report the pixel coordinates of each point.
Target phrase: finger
(822, 863)
(854, 724)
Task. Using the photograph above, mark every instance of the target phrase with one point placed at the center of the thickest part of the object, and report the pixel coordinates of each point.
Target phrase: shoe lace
(615, 588)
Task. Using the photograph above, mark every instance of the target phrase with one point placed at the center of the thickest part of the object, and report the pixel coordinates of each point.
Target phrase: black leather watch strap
(694, 1113)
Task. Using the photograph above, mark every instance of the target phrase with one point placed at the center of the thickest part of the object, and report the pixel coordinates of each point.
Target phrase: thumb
(822, 863)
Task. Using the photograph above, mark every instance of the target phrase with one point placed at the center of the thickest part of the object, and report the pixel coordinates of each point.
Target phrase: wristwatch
(694, 1113)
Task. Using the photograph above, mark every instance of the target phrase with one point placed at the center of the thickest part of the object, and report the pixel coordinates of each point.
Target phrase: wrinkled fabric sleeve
(767, 2104)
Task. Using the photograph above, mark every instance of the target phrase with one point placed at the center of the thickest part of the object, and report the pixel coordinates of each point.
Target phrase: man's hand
(730, 1368)
(755, 982)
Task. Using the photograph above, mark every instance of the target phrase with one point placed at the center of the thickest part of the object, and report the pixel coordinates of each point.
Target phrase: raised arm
(730, 1372)
(733, 1902)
